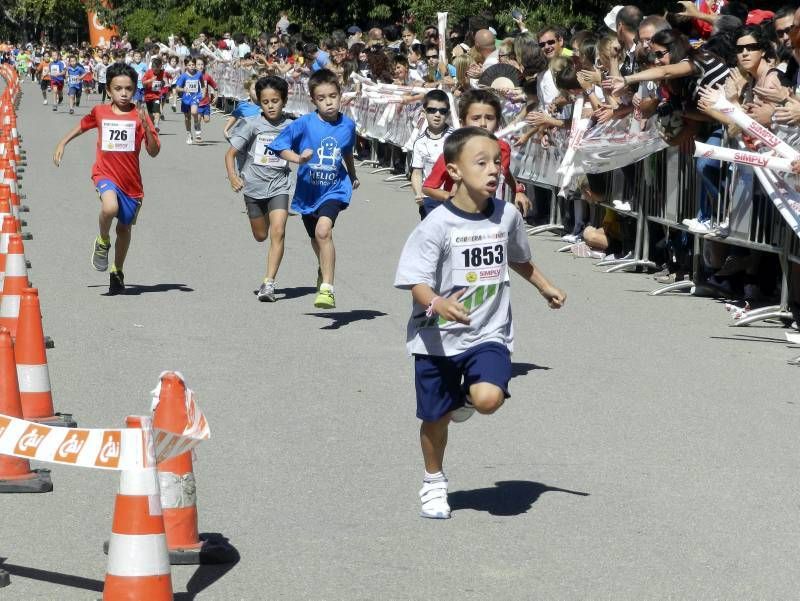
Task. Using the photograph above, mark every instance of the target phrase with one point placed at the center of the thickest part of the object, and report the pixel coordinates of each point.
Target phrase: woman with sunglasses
(755, 57)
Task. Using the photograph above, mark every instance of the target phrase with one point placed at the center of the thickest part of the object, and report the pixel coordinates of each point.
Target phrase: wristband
(429, 310)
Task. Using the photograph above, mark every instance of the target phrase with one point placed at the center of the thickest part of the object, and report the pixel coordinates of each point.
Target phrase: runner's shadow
(343, 318)
(521, 369)
(137, 289)
(512, 497)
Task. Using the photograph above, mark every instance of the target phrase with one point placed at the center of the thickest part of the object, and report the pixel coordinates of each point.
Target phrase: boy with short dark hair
(116, 174)
(326, 183)
(460, 334)
(428, 146)
(57, 69)
(75, 75)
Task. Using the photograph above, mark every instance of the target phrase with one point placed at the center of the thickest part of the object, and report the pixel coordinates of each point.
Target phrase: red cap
(758, 16)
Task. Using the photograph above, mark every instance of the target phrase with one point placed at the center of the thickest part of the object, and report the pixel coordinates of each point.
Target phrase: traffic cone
(9, 227)
(32, 371)
(16, 474)
(178, 491)
(138, 562)
(15, 281)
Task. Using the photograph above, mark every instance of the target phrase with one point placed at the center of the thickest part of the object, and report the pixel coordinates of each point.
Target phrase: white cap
(611, 18)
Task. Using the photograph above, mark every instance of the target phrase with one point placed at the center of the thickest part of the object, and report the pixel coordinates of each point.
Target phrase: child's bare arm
(236, 182)
(554, 297)
(350, 163)
(447, 307)
(71, 135)
(300, 159)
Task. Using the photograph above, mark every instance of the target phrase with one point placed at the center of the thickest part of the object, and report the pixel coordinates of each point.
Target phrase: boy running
(100, 72)
(460, 334)
(264, 177)
(189, 86)
(209, 95)
(322, 144)
(43, 69)
(57, 69)
(156, 84)
(75, 75)
(116, 173)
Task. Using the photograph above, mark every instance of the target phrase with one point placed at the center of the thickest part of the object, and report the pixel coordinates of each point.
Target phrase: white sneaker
(44, 101)
(198, 137)
(462, 414)
(433, 496)
(793, 337)
(690, 222)
(722, 230)
(571, 238)
(189, 139)
(622, 206)
(701, 227)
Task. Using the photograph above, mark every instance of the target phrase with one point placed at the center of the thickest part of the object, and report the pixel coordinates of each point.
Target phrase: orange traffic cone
(9, 227)
(32, 370)
(138, 563)
(178, 491)
(15, 473)
(15, 281)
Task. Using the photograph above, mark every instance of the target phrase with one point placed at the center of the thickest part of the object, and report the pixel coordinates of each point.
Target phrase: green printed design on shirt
(474, 299)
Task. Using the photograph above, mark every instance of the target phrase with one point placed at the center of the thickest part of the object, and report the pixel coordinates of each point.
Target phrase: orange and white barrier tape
(111, 449)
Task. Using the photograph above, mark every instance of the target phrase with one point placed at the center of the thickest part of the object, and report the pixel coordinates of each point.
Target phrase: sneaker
(198, 137)
(189, 138)
(792, 337)
(266, 293)
(71, 111)
(700, 227)
(622, 206)
(173, 107)
(723, 230)
(571, 238)
(325, 300)
(462, 414)
(44, 101)
(116, 283)
(55, 108)
(733, 265)
(100, 254)
(433, 496)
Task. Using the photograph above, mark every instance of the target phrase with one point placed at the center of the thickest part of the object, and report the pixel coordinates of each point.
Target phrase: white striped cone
(138, 560)
(15, 280)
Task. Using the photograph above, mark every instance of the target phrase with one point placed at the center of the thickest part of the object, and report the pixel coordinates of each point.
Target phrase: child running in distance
(322, 144)
(264, 176)
(75, 74)
(122, 128)
(244, 109)
(189, 86)
(455, 263)
(478, 108)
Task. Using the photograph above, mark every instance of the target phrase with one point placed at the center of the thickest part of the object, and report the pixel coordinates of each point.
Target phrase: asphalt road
(649, 451)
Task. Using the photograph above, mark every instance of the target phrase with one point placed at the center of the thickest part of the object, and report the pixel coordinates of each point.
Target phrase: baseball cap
(353, 29)
(610, 19)
(758, 16)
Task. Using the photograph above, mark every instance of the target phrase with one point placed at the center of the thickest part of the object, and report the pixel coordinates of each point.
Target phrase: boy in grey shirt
(263, 176)
(460, 333)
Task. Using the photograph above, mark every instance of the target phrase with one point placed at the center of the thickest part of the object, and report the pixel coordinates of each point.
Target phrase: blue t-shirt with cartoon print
(323, 178)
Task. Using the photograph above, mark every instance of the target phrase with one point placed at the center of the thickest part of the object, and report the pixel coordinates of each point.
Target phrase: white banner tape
(743, 120)
(743, 157)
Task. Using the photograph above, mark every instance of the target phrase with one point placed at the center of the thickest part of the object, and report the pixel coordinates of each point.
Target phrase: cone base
(38, 482)
(59, 420)
(5, 579)
(212, 549)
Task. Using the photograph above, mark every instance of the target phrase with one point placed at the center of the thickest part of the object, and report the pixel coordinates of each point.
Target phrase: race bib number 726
(119, 135)
(478, 256)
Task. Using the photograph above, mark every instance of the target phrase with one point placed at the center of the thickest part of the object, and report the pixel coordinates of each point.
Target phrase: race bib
(478, 257)
(54, 70)
(156, 85)
(262, 155)
(192, 86)
(74, 80)
(119, 135)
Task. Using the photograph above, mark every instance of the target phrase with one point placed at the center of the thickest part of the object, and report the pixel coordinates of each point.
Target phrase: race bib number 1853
(119, 136)
(478, 257)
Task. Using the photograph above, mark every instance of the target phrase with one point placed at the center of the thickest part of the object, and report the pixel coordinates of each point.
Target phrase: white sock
(325, 286)
(437, 477)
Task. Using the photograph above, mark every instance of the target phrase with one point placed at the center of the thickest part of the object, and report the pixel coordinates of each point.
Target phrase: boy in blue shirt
(57, 69)
(141, 68)
(75, 75)
(322, 144)
(190, 86)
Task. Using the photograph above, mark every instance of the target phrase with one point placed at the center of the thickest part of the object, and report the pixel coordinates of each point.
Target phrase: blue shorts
(128, 206)
(74, 91)
(138, 96)
(442, 383)
(204, 109)
(187, 108)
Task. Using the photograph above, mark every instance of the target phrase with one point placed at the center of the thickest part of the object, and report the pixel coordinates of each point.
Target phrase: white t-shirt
(452, 250)
(546, 89)
(426, 151)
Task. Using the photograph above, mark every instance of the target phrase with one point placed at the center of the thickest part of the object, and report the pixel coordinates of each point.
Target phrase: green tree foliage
(27, 19)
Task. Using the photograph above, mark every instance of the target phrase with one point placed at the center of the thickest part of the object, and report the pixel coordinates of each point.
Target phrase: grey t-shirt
(450, 250)
(265, 174)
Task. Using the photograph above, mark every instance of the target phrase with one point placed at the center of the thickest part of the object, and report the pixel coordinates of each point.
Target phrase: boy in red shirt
(156, 86)
(116, 174)
(204, 108)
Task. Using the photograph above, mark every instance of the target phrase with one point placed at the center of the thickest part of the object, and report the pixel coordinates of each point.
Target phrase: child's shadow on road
(343, 318)
(511, 497)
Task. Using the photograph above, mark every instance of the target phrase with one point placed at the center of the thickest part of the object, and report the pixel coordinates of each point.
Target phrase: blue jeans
(709, 171)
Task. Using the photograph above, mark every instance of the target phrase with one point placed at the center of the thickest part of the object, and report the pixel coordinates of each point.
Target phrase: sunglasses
(783, 32)
(547, 43)
(431, 56)
(659, 53)
(432, 110)
(273, 42)
(747, 48)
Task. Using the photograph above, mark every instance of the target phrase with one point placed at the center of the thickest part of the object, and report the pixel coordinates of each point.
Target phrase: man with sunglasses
(784, 24)
(439, 69)
(428, 147)
(551, 42)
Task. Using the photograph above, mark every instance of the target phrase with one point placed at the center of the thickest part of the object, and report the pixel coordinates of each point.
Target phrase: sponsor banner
(743, 157)
(756, 130)
(115, 449)
(785, 197)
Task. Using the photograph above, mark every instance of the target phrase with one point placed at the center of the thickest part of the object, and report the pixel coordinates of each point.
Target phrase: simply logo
(72, 446)
(110, 451)
(29, 442)
(751, 159)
